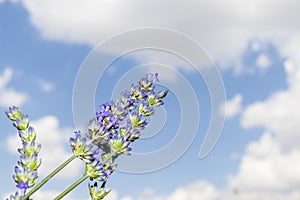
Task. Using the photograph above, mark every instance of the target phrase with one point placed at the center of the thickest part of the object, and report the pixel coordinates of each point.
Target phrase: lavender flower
(95, 170)
(120, 146)
(82, 148)
(25, 178)
(30, 149)
(137, 93)
(13, 113)
(162, 94)
(145, 110)
(110, 134)
(116, 125)
(31, 162)
(126, 102)
(97, 132)
(22, 123)
(152, 77)
(154, 100)
(118, 111)
(97, 193)
(146, 82)
(27, 135)
(26, 170)
(137, 121)
(107, 118)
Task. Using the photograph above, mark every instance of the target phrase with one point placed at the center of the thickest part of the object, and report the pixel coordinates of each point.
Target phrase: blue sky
(44, 44)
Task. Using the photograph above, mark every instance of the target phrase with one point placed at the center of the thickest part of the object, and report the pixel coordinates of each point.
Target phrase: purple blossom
(152, 77)
(137, 121)
(116, 125)
(104, 111)
(147, 82)
(26, 170)
(22, 123)
(82, 147)
(137, 93)
(126, 101)
(13, 113)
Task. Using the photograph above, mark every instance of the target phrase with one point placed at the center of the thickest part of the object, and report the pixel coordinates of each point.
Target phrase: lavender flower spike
(26, 170)
(82, 148)
(116, 125)
(13, 113)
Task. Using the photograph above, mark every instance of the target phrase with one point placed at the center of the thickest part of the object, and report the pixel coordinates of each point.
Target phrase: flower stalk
(115, 127)
(46, 179)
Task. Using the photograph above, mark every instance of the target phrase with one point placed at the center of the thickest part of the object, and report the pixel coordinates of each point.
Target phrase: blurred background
(254, 45)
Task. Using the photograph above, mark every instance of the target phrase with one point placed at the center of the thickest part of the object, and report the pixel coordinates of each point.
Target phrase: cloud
(194, 191)
(205, 190)
(53, 139)
(263, 61)
(44, 194)
(9, 96)
(270, 168)
(233, 106)
(127, 198)
(5, 77)
(112, 195)
(50, 194)
(223, 28)
(45, 85)
(280, 113)
(252, 185)
(266, 168)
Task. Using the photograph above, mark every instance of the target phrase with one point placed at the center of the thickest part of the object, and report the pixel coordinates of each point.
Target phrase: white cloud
(194, 191)
(9, 96)
(280, 113)
(43, 194)
(6, 77)
(232, 106)
(270, 168)
(242, 195)
(45, 85)
(53, 139)
(266, 168)
(255, 46)
(126, 198)
(254, 180)
(112, 195)
(263, 61)
(224, 28)
(50, 194)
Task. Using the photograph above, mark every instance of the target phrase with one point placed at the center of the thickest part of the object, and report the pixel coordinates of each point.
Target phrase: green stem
(45, 180)
(83, 178)
(69, 189)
